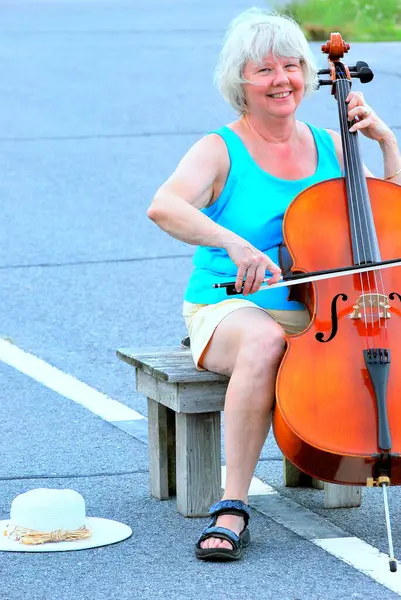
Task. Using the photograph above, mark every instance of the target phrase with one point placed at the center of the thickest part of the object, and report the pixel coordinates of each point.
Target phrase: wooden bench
(184, 408)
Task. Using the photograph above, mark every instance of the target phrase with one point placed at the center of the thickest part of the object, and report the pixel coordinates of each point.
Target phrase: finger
(250, 277)
(251, 268)
(359, 111)
(363, 124)
(350, 100)
(259, 278)
(355, 98)
(275, 273)
(349, 97)
(275, 278)
(240, 278)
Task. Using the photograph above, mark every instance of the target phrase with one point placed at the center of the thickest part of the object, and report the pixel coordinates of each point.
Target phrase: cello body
(326, 417)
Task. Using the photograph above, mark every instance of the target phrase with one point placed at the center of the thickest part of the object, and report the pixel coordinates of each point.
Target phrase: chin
(288, 112)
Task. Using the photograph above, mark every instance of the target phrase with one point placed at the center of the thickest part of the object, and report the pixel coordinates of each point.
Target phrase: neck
(274, 131)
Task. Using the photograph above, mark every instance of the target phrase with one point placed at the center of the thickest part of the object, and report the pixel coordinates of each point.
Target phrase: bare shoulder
(210, 148)
(336, 137)
(207, 160)
(198, 173)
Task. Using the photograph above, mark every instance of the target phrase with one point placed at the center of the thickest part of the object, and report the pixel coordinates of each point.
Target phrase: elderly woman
(228, 196)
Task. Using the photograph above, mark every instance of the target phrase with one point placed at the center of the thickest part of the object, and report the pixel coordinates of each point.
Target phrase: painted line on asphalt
(365, 558)
(322, 533)
(66, 385)
(353, 551)
(257, 487)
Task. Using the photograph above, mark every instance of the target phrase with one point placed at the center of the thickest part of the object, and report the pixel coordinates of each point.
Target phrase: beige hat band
(31, 537)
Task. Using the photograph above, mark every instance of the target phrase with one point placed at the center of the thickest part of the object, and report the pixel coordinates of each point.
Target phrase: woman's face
(277, 87)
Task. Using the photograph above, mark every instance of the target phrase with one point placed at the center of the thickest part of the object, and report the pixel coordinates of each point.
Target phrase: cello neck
(365, 246)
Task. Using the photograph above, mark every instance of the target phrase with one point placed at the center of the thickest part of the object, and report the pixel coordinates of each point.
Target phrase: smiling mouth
(281, 95)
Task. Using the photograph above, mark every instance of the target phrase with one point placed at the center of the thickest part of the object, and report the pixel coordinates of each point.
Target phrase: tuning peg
(365, 74)
(362, 71)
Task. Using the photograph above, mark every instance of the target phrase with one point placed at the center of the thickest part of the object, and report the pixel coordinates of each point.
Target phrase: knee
(263, 346)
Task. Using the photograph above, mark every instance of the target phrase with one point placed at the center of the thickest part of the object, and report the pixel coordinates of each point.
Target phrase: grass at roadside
(356, 20)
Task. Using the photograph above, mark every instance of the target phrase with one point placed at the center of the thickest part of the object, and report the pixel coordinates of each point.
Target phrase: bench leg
(198, 462)
(161, 439)
(341, 496)
(335, 496)
(293, 477)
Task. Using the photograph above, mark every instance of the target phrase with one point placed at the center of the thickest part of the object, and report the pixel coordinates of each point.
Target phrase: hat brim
(104, 532)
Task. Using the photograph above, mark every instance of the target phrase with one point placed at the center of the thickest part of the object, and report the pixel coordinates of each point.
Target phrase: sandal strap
(230, 507)
(222, 533)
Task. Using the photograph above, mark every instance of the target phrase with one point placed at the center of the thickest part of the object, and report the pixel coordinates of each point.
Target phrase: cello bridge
(371, 305)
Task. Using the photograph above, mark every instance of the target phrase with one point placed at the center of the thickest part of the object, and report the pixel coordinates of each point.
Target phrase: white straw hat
(47, 520)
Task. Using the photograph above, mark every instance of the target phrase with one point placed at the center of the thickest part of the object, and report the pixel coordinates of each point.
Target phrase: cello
(337, 415)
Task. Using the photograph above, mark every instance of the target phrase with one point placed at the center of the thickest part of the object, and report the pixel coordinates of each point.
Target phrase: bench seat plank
(168, 364)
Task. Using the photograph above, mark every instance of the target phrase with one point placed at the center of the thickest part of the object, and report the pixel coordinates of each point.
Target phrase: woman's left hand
(368, 122)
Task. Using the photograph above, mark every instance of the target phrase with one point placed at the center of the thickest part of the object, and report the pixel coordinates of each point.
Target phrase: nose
(280, 76)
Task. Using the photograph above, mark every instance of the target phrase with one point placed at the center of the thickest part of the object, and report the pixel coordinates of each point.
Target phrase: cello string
(357, 175)
(379, 285)
(372, 302)
(352, 189)
(368, 218)
(373, 298)
(377, 277)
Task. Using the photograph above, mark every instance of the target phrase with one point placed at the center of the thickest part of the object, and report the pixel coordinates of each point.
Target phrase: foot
(233, 522)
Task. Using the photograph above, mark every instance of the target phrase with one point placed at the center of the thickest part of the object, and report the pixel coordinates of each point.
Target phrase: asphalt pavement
(99, 100)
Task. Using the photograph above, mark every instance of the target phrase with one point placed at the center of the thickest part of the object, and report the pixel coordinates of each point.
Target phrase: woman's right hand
(252, 266)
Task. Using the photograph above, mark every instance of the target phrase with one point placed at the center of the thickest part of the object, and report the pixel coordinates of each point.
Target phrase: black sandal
(225, 507)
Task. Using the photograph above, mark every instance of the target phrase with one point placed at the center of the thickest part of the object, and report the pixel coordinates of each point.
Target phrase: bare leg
(248, 345)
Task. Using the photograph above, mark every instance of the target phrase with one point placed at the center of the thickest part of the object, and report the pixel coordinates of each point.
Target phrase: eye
(264, 69)
(292, 66)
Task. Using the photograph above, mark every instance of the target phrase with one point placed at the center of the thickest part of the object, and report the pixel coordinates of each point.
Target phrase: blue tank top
(252, 204)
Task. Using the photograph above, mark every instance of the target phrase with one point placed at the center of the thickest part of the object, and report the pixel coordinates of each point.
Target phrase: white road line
(257, 487)
(319, 531)
(66, 385)
(365, 558)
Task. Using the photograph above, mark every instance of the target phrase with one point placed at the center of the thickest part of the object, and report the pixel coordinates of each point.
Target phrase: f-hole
(334, 320)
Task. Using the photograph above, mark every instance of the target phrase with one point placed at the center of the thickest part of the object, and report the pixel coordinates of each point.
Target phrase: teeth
(283, 95)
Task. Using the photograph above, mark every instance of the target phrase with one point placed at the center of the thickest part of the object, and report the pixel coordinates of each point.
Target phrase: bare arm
(392, 160)
(175, 207)
(196, 183)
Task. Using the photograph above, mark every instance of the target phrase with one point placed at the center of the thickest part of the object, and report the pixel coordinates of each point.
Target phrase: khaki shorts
(202, 319)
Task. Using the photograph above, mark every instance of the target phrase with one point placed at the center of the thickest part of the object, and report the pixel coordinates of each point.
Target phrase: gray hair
(251, 36)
